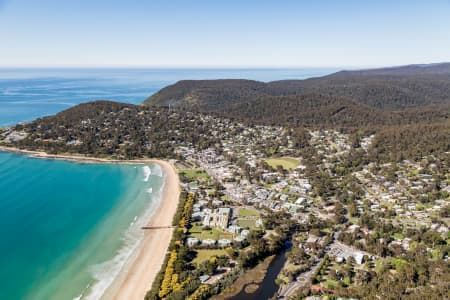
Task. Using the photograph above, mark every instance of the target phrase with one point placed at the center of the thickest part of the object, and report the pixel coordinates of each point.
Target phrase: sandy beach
(76, 157)
(137, 276)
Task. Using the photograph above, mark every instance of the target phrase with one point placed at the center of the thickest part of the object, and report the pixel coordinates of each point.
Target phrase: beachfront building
(192, 241)
(217, 203)
(224, 243)
(217, 218)
(197, 216)
(234, 229)
(245, 233)
(259, 223)
(239, 239)
(208, 242)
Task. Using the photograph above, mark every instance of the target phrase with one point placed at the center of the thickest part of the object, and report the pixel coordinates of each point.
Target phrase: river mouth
(267, 289)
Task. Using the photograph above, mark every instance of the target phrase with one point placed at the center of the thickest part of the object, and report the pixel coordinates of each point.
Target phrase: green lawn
(211, 234)
(211, 192)
(398, 262)
(247, 223)
(244, 212)
(198, 232)
(203, 255)
(399, 236)
(331, 284)
(326, 230)
(286, 163)
(194, 173)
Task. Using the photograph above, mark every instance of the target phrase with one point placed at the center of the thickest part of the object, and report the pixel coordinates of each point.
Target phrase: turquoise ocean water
(66, 228)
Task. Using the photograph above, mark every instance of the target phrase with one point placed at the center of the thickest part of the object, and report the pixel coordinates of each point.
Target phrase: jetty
(156, 227)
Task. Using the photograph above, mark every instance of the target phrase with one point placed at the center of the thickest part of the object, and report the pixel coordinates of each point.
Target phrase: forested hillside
(207, 94)
(408, 111)
(105, 128)
(408, 107)
(385, 89)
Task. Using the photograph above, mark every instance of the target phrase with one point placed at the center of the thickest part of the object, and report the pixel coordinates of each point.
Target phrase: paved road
(305, 278)
(300, 281)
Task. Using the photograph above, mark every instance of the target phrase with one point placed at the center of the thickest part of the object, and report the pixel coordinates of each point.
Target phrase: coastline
(75, 157)
(138, 273)
(137, 276)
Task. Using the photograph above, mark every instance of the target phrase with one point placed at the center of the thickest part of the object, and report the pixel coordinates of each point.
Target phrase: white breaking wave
(134, 220)
(105, 273)
(147, 172)
(157, 170)
(84, 291)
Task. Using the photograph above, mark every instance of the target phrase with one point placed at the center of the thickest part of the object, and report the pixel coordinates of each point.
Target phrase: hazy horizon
(219, 67)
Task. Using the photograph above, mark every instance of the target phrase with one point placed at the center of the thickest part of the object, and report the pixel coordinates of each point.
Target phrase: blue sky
(210, 33)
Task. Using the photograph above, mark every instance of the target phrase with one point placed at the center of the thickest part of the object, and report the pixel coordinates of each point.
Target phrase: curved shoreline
(136, 277)
(76, 158)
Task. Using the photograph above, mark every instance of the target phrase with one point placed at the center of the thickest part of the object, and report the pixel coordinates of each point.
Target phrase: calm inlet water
(66, 228)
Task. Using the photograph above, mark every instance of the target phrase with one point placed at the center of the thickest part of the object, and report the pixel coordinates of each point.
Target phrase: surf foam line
(158, 171)
(105, 273)
(147, 172)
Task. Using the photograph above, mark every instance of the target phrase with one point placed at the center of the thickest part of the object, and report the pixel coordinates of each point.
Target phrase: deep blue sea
(66, 228)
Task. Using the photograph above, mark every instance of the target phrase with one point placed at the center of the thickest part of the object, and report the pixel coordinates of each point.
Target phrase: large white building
(217, 218)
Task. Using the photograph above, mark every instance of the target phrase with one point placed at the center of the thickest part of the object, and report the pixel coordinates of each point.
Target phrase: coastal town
(252, 194)
(224, 150)
(337, 245)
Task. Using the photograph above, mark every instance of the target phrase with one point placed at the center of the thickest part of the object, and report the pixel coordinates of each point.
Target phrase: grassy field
(286, 163)
(211, 234)
(399, 236)
(203, 255)
(244, 212)
(198, 232)
(193, 173)
(247, 223)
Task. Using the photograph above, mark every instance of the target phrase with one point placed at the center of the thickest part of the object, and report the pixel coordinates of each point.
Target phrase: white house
(192, 241)
(224, 243)
(208, 242)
